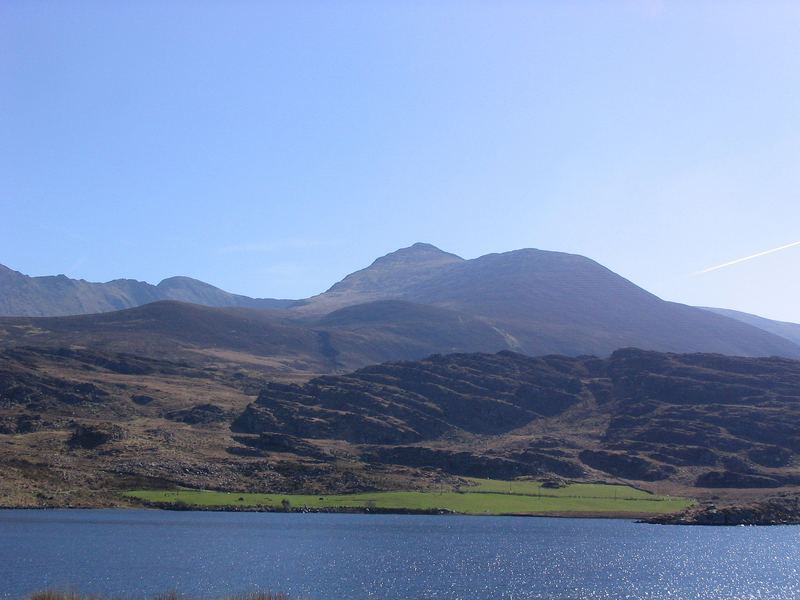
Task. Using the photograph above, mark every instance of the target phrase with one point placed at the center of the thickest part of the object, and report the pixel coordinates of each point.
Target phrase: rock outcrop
(782, 510)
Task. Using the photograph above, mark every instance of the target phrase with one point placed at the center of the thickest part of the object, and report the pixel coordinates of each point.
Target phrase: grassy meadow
(483, 497)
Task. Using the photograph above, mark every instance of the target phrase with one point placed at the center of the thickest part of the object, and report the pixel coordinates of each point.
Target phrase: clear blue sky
(270, 148)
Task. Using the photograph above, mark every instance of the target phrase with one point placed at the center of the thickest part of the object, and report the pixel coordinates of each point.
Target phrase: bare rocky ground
(777, 510)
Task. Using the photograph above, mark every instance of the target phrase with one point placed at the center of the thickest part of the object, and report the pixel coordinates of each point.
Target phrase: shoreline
(639, 517)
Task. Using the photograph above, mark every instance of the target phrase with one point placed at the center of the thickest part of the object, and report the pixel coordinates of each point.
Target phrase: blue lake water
(137, 553)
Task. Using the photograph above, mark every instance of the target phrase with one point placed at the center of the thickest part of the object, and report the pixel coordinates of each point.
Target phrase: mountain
(790, 331)
(421, 300)
(547, 302)
(21, 295)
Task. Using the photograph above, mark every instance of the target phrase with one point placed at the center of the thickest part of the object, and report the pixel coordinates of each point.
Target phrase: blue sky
(270, 148)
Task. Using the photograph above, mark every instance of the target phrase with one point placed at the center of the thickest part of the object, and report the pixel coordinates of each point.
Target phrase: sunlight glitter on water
(138, 554)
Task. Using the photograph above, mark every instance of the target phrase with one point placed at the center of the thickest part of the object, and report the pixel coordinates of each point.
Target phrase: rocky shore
(780, 510)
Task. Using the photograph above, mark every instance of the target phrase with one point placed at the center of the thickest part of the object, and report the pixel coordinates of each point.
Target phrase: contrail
(741, 260)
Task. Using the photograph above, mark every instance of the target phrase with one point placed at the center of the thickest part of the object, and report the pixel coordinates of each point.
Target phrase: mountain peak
(180, 280)
(424, 247)
(388, 275)
(420, 252)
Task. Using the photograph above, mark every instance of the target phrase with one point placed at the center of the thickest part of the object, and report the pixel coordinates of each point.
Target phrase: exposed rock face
(24, 423)
(473, 465)
(92, 436)
(279, 442)
(20, 387)
(409, 402)
(783, 510)
(626, 466)
(729, 479)
(142, 399)
(639, 415)
(200, 414)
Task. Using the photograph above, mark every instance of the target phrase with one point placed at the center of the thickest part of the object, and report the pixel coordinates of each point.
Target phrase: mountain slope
(21, 295)
(388, 277)
(790, 331)
(548, 302)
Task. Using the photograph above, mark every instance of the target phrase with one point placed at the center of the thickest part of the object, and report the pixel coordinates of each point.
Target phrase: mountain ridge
(529, 300)
(59, 295)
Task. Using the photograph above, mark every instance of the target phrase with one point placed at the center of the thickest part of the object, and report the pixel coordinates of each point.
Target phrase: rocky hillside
(77, 423)
(779, 510)
(699, 420)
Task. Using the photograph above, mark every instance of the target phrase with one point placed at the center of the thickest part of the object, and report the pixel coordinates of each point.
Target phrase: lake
(138, 553)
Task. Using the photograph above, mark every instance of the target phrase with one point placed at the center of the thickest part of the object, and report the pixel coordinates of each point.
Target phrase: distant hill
(790, 331)
(414, 302)
(21, 295)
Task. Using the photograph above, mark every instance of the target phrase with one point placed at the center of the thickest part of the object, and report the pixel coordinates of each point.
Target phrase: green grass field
(486, 497)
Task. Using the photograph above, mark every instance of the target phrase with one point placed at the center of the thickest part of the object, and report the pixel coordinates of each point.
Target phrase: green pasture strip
(535, 488)
(466, 503)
